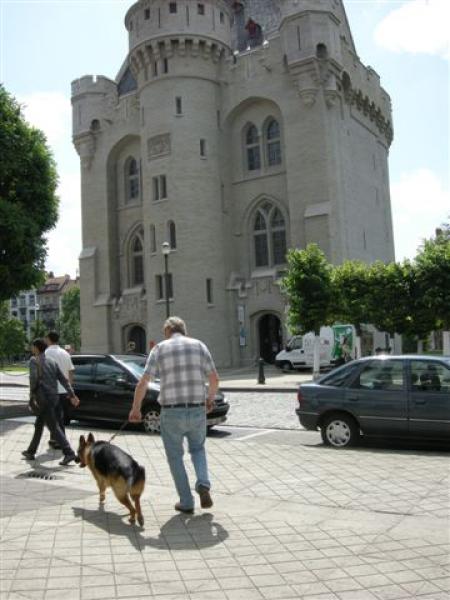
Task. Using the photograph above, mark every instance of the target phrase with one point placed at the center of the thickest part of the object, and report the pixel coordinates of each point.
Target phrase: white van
(299, 351)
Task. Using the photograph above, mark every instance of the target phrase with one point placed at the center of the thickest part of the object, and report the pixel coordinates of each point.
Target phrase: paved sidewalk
(303, 522)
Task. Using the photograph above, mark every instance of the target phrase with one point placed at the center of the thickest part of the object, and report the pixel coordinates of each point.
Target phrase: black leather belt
(186, 405)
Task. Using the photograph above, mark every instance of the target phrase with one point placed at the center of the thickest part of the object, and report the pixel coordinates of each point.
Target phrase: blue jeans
(176, 424)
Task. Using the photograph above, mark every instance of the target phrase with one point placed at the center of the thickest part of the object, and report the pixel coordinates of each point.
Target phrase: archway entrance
(136, 336)
(270, 337)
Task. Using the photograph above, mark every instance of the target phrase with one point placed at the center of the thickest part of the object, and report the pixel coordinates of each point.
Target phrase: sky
(45, 44)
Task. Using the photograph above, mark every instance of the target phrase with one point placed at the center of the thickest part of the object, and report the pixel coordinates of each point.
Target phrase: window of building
(172, 7)
(273, 141)
(203, 148)
(201, 9)
(166, 65)
(159, 188)
(13, 302)
(147, 14)
(222, 18)
(269, 236)
(278, 230)
(155, 68)
(31, 300)
(152, 239)
(159, 287)
(172, 234)
(209, 291)
(137, 261)
(252, 149)
(178, 105)
(131, 179)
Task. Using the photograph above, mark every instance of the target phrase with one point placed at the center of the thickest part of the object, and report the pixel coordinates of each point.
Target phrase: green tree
(308, 287)
(28, 203)
(69, 323)
(38, 330)
(352, 293)
(433, 276)
(12, 336)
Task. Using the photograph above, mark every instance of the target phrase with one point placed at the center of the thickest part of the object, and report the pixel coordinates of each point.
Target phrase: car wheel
(152, 421)
(340, 431)
(287, 366)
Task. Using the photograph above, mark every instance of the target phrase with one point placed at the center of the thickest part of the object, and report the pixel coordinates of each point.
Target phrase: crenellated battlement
(152, 19)
(93, 84)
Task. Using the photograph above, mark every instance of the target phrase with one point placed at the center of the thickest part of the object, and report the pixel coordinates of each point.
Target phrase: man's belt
(185, 405)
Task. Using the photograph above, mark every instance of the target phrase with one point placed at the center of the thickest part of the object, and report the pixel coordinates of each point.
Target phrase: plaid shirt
(182, 364)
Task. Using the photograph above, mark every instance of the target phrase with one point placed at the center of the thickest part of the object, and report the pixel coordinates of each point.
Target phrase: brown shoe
(186, 511)
(205, 497)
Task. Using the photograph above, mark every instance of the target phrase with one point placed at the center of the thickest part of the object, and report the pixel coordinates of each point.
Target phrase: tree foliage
(69, 324)
(433, 275)
(308, 287)
(352, 293)
(12, 335)
(28, 203)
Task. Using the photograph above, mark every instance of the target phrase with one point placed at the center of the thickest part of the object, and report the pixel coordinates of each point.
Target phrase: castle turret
(177, 56)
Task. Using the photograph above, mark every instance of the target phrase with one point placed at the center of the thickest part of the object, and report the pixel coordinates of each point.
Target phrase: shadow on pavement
(180, 532)
(389, 444)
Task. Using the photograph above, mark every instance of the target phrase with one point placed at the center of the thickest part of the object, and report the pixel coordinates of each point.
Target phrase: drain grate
(38, 475)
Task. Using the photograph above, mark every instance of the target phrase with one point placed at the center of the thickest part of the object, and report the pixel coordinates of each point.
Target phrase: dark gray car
(382, 396)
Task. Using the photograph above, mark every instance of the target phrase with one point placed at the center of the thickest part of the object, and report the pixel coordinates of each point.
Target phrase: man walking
(183, 365)
(64, 362)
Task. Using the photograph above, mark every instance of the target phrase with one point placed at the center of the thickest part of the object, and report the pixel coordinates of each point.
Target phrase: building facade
(233, 131)
(24, 307)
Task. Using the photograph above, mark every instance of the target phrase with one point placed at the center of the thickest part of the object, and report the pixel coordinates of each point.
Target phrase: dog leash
(124, 424)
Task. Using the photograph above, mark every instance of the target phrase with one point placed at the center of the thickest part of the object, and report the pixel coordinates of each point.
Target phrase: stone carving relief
(158, 146)
(131, 306)
(85, 146)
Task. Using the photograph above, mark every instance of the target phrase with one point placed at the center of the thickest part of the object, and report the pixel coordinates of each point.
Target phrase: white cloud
(49, 111)
(418, 27)
(64, 242)
(420, 203)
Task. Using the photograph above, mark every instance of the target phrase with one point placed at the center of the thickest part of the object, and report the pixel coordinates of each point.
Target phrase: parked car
(105, 384)
(381, 395)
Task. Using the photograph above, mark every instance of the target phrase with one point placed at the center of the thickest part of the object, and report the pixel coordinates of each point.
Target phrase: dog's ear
(82, 441)
(91, 438)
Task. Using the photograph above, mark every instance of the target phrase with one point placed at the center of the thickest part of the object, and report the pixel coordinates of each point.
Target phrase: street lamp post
(166, 252)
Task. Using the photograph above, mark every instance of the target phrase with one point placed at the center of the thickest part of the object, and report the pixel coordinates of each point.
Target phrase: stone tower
(234, 130)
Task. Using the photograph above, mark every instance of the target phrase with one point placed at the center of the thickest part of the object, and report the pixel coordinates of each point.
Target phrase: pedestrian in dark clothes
(44, 377)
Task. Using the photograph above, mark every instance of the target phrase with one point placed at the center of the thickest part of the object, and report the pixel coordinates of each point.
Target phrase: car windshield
(136, 364)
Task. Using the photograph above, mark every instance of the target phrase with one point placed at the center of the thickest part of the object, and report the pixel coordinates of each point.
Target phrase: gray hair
(175, 325)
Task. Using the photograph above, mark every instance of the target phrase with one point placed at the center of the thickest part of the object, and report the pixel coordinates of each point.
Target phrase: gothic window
(152, 239)
(273, 143)
(278, 230)
(252, 149)
(172, 233)
(201, 9)
(137, 260)
(261, 240)
(172, 7)
(269, 236)
(131, 179)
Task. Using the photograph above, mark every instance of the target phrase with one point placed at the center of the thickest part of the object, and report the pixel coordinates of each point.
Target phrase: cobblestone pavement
(293, 522)
(266, 410)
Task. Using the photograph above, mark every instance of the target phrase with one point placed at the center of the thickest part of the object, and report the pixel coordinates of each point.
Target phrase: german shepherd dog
(112, 467)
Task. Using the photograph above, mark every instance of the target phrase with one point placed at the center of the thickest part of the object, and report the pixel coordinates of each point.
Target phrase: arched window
(131, 179)
(273, 142)
(172, 232)
(261, 240)
(278, 229)
(252, 149)
(137, 261)
(269, 236)
(152, 239)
